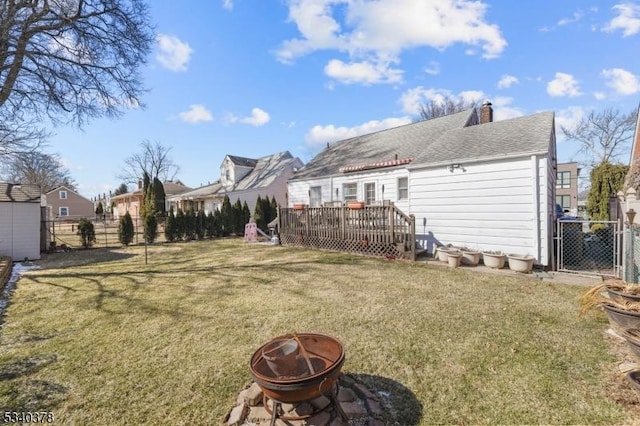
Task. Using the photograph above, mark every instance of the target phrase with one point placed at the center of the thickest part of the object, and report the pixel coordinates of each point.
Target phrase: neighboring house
(243, 179)
(469, 181)
(20, 219)
(131, 201)
(567, 187)
(64, 203)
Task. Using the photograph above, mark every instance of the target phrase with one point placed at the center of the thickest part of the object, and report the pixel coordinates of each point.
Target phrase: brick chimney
(486, 113)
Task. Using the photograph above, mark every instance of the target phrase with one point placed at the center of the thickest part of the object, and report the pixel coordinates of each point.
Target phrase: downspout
(536, 207)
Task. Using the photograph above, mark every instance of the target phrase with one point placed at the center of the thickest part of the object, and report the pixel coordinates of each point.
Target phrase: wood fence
(383, 231)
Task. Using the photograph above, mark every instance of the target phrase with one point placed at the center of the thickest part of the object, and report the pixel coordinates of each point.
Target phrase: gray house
(20, 221)
(469, 181)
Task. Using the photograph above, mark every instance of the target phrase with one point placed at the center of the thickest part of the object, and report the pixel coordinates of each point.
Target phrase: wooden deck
(372, 230)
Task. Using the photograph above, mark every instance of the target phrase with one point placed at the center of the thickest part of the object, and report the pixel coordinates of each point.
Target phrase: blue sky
(255, 77)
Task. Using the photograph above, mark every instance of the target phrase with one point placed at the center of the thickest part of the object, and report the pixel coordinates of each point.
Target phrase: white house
(20, 221)
(469, 181)
(242, 179)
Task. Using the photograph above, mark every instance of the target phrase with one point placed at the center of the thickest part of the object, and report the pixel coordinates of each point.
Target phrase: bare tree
(69, 61)
(38, 168)
(447, 105)
(153, 160)
(603, 137)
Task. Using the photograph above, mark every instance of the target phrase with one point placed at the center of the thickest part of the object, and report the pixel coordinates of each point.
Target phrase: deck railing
(380, 230)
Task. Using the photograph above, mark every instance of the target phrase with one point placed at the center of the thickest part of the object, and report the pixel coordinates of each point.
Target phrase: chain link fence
(589, 247)
(62, 234)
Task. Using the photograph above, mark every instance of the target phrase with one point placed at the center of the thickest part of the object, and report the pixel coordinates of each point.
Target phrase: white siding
(298, 190)
(488, 206)
(20, 230)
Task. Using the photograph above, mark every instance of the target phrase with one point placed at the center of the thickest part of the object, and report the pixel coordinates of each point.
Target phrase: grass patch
(99, 337)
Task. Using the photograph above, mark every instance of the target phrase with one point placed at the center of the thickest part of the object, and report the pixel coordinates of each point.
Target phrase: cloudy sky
(255, 77)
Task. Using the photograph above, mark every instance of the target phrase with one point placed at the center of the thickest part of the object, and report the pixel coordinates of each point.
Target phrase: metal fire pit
(298, 367)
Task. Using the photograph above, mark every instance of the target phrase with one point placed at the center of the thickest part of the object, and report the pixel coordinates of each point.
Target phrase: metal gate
(589, 247)
(632, 255)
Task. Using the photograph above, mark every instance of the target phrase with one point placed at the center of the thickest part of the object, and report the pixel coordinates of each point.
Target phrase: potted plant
(520, 263)
(494, 259)
(470, 257)
(298, 206)
(442, 251)
(355, 205)
(454, 257)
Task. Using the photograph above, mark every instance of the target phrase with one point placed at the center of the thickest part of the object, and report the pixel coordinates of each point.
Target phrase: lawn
(99, 337)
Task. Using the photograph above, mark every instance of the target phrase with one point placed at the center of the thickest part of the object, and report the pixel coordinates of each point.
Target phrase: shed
(20, 221)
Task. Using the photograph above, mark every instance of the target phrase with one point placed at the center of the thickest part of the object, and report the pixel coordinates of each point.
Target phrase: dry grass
(98, 337)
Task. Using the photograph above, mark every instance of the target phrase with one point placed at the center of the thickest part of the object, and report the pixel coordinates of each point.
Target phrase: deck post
(412, 236)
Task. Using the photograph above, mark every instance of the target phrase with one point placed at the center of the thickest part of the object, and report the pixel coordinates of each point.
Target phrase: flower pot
(355, 205)
(454, 258)
(518, 263)
(632, 336)
(494, 260)
(470, 258)
(298, 206)
(621, 319)
(634, 379)
(622, 296)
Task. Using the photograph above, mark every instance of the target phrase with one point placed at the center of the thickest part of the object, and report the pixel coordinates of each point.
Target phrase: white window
(370, 192)
(63, 195)
(403, 188)
(350, 191)
(63, 211)
(315, 196)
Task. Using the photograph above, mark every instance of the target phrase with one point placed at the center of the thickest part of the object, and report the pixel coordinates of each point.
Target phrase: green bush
(87, 233)
(170, 228)
(125, 230)
(150, 228)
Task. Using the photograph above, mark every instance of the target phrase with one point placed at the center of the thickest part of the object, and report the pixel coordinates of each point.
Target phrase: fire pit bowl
(312, 373)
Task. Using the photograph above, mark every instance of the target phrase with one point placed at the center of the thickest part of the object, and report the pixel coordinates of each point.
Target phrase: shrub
(150, 228)
(125, 230)
(200, 224)
(170, 229)
(87, 233)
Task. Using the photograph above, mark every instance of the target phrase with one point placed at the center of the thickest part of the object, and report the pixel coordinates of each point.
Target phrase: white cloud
(196, 114)
(575, 18)
(362, 72)
(568, 118)
(433, 68)
(174, 54)
(622, 81)
(627, 20)
(563, 85)
(502, 109)
(599, 96)
(412, 99)
(366, 33)
(318, 135)
(507, 81)
(227, 4)
(258, 118)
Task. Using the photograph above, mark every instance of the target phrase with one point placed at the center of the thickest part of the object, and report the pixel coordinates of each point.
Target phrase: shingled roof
(19, 193)
(453, 138)
(403, 142)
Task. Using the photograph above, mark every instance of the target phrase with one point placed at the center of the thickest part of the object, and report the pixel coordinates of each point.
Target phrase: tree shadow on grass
(24, 393)
(400, 404)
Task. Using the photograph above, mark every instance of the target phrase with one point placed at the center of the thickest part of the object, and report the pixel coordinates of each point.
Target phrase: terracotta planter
(299, 206)
(494, 260)
(355, 205)
(518, 263)
(454, 258)
(470, 258)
